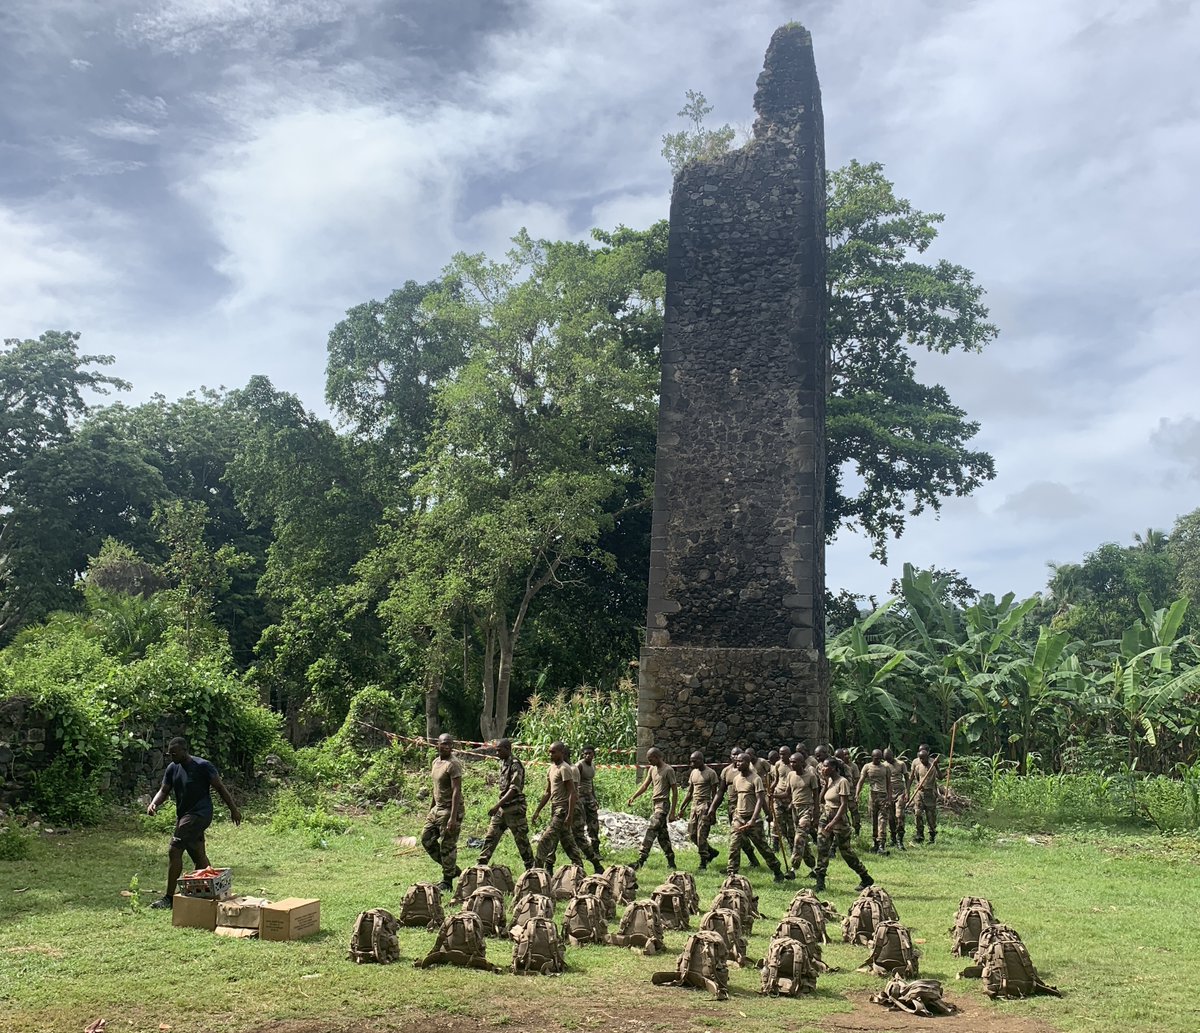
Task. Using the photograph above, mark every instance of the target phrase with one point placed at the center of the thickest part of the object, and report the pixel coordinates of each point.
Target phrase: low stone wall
(711, 699)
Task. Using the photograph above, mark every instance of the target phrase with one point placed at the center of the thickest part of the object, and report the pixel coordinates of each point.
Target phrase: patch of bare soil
(972, 1017)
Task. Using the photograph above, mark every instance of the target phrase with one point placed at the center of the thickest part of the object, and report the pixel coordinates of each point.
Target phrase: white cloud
(125, 130)
(188, 26)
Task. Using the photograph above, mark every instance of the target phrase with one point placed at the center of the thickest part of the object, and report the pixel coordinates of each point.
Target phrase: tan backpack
(919, 997)
(624, 883)
(816, 912)
(886, 906)
(788, 969)
(974, 915)
(475, 877)
(583, 922)
(597, 886)
(1004, 963)
(460, 941)
(537, 949)
(672, 906)
(533, 880)
(488, 903)
(704, 964)
(502, 879)
(796, 928)
(727, 923)
(422, 906)
(685, 882)
(373, 938)
(737, 900)
(740, 882)
(530, 906)
(641, 928)
(892, 950)
(861, 920)
(565, 883)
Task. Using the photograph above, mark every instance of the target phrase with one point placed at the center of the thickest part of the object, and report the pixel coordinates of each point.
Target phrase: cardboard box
(240, 912)
(236, 933)
(290, 919)
(194, 912)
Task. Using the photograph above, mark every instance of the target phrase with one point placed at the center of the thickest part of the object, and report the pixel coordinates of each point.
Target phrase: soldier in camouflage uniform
(899, 785)
(925, 777)
(804, 789)
(835, 826)
(665, 799)
(439, 836)
(579, 821)
(701, 791)
(586, 768)
(750, 799)
(562, 794)
(728, 773)
(784, 831)
(509, 812)
(876, 774)
(852, 773)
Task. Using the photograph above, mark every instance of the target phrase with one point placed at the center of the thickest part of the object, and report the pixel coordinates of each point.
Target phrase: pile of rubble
(627, 830)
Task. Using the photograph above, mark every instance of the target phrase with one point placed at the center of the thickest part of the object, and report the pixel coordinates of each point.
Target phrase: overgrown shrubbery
(608, 720)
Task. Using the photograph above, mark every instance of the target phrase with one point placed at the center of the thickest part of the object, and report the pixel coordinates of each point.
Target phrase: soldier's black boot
(866, 880)
(820, 885)
(598, 867)
(671, 861)
(751, 857)
(900, 840)
(932, 837)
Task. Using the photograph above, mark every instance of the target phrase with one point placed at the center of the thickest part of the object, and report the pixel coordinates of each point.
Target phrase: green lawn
(1104, 917)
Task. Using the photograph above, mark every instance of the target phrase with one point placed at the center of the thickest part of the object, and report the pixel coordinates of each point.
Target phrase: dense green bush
(608, 720)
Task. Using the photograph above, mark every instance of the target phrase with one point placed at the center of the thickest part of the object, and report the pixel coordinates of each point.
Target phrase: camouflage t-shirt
(444, 772)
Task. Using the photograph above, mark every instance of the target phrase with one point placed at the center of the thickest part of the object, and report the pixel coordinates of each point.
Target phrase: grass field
(1104, 916)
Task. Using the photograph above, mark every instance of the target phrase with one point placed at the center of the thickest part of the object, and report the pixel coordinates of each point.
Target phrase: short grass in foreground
(1100, 914)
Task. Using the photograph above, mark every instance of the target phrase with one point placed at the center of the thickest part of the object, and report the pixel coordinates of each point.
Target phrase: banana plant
(863, 708)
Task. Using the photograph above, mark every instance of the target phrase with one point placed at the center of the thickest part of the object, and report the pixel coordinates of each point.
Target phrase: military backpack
(475, 877)
(738, 901)
(502, 879)
(488, 903)
(918, 997)
(597, 886)
(740, 882)
(797, 928)
(533, 880)
(583, 921)
(685, 882)
(728, 924)
(887, 906)
(892, 950)
(532, 905)
(373, 939)
(566, 881)
(704, 964)
(788, 970)
(814, 911)
(641, 928)
(861, 920)
(536, 948)
(624, 883)
(1003, 962)
(974, 915)
(672, 906)
(460, 941)
(422, 906)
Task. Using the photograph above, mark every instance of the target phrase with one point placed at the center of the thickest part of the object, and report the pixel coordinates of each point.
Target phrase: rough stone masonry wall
(735, 619)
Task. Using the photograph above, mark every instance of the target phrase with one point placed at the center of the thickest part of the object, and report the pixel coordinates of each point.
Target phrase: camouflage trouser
(742, 840)
(699, 825)
(841, 839)
(785, 829)
(580, 832)
(558, 831)
(440, 843)
(657, 830)
(514, 819)
(925, 810)
(855, 815)
(880, 819)
(750, 855)
(591, 819)
(801, 850)
(896, 818)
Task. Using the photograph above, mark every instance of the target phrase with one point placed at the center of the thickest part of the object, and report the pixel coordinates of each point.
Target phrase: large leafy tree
(538, 446)
(896, 446)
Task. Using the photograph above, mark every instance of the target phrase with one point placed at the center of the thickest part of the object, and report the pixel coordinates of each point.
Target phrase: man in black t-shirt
(191, 781)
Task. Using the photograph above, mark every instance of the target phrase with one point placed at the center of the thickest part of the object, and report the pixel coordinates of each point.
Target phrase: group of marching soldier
(806, 799)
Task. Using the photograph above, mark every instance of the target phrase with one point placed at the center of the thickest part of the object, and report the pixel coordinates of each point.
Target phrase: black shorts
(189, 830)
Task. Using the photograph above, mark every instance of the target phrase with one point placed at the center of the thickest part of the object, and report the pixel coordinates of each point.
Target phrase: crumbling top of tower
(787, 89)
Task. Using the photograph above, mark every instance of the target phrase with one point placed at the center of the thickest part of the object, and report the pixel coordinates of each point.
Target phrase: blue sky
(203, 186)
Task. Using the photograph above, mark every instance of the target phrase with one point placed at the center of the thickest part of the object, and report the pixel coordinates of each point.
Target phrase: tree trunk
(487, 719)
(503, 680)
(433, 690)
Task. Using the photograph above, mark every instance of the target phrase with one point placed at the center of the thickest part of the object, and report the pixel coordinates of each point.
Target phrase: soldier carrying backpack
(704, 964)
(373, 939)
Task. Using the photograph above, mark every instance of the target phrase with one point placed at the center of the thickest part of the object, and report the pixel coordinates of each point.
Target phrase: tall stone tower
(735, 635)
